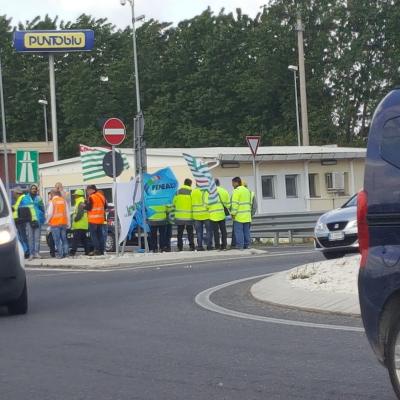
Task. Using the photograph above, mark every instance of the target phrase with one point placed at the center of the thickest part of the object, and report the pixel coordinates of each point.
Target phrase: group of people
(88, 215)
(192, 210)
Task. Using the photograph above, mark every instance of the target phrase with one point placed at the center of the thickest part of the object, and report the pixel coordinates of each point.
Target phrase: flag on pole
(92, 161)
(203, 177)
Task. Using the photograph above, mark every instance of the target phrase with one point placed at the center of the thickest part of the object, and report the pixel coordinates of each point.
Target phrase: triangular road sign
(253, 142)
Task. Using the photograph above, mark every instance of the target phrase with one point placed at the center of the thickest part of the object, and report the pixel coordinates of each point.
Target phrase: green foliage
(213, 78)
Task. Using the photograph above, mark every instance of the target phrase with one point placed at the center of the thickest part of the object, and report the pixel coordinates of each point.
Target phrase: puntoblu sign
(53, 41)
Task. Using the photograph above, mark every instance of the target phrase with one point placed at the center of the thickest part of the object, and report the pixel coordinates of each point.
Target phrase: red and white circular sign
(114, 131)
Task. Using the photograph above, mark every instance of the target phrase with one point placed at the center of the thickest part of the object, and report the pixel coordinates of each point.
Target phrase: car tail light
(363, 234)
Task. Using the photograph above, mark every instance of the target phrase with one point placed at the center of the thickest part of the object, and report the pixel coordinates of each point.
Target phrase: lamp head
(123, 2)
(293, 67)
(43, 102)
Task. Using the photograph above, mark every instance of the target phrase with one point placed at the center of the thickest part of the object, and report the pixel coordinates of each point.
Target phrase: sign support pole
(255, 178)
(53, 106)
(3, 121)
(116, 230)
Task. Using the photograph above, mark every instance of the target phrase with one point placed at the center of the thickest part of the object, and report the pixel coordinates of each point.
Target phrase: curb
(275, 290)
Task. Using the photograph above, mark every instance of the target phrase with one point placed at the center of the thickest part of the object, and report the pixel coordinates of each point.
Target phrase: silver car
(336, 231)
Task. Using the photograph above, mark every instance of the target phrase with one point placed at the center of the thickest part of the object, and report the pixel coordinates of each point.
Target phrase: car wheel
(19, 306)
(330, 255)
(110, 241)
(393, 357)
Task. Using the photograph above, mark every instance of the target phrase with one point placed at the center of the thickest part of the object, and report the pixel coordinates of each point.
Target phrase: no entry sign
(114, 131)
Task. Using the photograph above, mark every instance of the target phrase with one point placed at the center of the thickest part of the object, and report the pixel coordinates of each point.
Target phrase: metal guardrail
(283, 225)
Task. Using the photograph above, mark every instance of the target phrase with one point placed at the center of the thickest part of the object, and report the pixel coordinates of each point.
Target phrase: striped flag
(92, 161)
(202, 174)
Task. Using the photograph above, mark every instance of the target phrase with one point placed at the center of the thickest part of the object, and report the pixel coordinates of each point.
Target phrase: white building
(288, 178)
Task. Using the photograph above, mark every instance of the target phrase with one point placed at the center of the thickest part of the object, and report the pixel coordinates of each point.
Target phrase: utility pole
(3, 122)
(302, 76)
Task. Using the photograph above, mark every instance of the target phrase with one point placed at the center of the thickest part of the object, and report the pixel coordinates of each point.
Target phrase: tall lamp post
(44, 104)
(3, 123)
(138, 140)
(294, 68)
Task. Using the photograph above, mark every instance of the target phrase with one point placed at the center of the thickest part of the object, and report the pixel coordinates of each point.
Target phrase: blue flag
(160, 187)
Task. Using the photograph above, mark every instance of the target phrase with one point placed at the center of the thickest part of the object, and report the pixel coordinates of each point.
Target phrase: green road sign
(27, 166)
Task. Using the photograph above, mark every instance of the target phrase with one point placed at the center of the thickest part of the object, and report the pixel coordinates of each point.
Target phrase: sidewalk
(330, 286)
(139, 259)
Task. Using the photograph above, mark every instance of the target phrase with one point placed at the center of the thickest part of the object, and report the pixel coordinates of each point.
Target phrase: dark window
(268, 189)
(390, 145)
(291, 185)
(313, 185)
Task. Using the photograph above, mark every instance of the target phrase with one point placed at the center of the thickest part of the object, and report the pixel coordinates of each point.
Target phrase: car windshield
(3, 205)
(352, 202)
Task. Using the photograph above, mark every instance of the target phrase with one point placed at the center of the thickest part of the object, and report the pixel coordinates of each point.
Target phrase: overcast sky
(162, 10)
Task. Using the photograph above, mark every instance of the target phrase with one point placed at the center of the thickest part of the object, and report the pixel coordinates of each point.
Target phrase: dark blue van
(378, 215)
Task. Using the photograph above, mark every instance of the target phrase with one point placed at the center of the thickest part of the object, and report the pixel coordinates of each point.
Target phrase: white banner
(128, 194)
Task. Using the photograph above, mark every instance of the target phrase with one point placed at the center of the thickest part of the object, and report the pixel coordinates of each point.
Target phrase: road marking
(171, 264)
(203, 300)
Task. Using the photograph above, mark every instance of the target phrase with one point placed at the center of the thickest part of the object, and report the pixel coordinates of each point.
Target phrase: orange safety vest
(97, 213)
(59, 216)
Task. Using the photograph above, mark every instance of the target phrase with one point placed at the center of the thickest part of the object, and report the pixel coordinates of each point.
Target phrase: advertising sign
(27, 166)
(53, 41)
(160, 187)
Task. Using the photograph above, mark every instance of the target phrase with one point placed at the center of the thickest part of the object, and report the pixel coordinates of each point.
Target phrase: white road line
(203, 300)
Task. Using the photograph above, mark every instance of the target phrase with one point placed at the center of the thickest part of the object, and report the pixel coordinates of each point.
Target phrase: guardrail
(288, 225)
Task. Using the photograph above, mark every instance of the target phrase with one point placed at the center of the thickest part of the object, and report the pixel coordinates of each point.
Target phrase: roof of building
(243, 154)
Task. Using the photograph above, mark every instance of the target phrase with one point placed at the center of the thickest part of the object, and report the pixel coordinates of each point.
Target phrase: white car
(335, 233)
(13, 290)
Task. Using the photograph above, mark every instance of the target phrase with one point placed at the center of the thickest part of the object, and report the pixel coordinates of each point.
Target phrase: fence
(288, 225)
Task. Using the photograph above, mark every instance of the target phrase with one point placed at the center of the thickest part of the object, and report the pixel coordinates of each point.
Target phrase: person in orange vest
(96, 206)
(59, 220)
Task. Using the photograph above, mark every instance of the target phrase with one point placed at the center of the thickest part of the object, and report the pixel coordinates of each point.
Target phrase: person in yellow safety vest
(158, 228)
(22, 217)
(241, 213)
(218, 215)
(254, 204)
(183, 213)
(59, 220)
(201, 217)
(80, 223)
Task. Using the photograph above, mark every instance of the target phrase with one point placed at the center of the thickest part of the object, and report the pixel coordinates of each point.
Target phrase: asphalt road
(138, 334)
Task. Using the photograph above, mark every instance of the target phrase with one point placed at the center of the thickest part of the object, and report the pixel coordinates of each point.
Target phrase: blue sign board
(53, 41)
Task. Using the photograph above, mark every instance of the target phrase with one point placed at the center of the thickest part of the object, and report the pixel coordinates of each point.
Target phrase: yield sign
(253, 142)
(114, 131)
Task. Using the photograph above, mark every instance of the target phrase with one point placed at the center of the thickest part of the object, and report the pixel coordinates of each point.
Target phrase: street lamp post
(138, 140)
(294, 68)
(3, 122)
(44, 104)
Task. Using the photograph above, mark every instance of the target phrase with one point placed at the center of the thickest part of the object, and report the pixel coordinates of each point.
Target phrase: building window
(268, 187)
(291, 185)
(313, 184)
(335, 182)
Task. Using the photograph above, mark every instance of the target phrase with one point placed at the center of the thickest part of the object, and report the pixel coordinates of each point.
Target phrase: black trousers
(79, 237)
(190, 234)
(218, 226)
(158, 235)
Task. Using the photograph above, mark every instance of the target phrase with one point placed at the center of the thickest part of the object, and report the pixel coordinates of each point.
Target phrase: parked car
(378, 214)
(335, 232)
(13, 289)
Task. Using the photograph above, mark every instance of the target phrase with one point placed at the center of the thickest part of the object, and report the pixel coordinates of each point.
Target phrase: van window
(3, 206)
(390, 145)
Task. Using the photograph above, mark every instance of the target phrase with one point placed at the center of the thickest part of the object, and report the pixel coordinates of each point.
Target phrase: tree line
(212, 79)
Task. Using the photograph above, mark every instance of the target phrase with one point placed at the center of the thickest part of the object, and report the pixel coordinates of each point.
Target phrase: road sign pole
(53, 106)
(3, 122)
(116, 230)
(255, 178)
